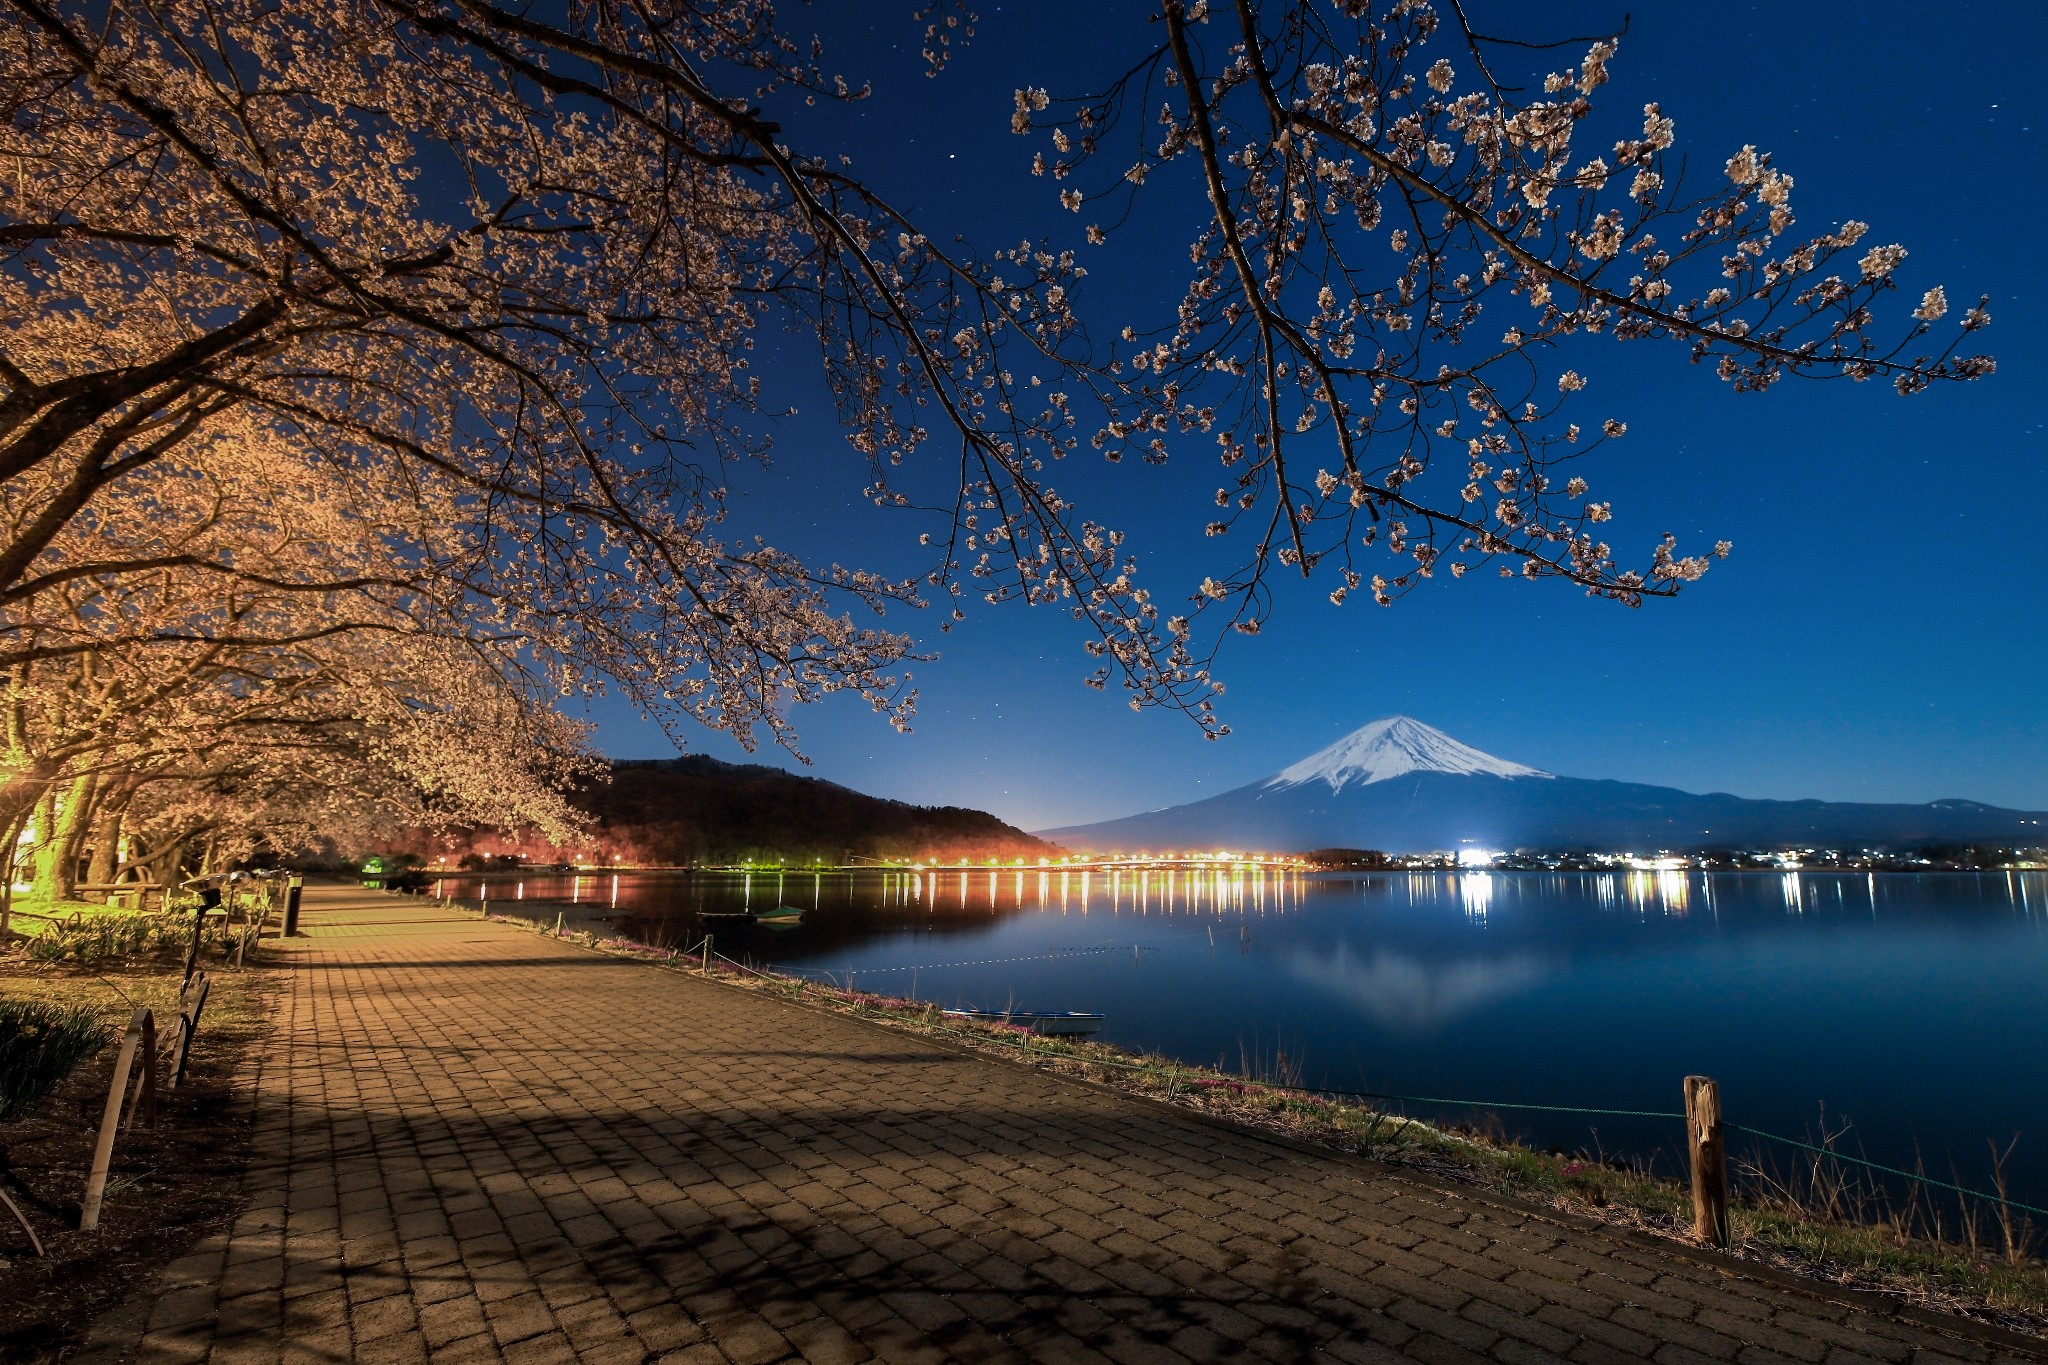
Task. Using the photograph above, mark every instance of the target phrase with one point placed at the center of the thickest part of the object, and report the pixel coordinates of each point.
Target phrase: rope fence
(1704, 1123)
(1152, 1068)
(977, 962)
(1916, 1176)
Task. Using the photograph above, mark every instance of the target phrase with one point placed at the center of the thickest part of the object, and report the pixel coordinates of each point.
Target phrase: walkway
(476, 1144)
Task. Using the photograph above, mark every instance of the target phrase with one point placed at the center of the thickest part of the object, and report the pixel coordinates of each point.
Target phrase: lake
(1912, 1008)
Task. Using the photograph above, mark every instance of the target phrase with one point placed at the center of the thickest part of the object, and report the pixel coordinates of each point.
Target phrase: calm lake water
(1913, 1008)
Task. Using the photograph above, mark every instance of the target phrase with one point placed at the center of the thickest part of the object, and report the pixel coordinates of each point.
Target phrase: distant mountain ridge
(698, 809)
(1405, 787)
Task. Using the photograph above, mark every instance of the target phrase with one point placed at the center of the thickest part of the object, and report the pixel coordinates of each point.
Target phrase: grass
(1822, 1220)
(31, 918)
(42, 1042)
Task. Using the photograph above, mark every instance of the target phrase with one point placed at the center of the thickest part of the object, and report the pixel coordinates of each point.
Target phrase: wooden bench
(114, 891)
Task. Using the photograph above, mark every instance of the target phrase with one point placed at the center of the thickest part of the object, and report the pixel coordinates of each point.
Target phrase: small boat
(1066, 1022)
(782, 916)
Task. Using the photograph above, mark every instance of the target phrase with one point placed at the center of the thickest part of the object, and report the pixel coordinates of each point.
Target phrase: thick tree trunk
(106, 845)
(57, 828)
(85, 795)
(40, 822)
(163, 863)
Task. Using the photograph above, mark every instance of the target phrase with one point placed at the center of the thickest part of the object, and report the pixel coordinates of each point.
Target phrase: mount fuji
(1405, 787)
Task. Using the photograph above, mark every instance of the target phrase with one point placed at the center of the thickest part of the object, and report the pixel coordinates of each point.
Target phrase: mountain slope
(1388, 748)
(697, 809)
(1404, 787)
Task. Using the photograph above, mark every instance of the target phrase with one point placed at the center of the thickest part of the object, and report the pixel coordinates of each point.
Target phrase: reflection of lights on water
(1668, 889)
(1475, 889)
(1219, 890)
(1795, 896)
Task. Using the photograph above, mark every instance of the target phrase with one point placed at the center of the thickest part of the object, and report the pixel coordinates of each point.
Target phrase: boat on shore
(781, 916)
(1068, 1023)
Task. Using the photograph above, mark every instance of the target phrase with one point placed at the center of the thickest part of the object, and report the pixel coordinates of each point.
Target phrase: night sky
(1880, 634)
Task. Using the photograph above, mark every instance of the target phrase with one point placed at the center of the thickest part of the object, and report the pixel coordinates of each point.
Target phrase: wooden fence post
(110, 1120)
(707, 954)
(190, 1002)
(144, 1097)
(1709, 1160)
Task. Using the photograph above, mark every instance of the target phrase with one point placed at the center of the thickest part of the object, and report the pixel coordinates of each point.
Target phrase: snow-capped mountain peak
(1390, 748)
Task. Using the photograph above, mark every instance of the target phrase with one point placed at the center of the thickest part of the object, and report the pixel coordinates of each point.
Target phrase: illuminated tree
(286, 653)
(511, 262)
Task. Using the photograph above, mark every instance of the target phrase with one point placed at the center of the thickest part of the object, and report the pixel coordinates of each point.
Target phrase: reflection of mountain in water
(1414, 994)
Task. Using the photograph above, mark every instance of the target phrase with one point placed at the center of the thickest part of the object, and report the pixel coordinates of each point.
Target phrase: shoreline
(1614, 1192)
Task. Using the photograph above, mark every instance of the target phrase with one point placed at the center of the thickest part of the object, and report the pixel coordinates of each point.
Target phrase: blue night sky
(1879, 634)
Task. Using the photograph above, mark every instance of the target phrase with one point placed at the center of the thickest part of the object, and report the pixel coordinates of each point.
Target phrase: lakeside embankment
(1822, 1216)
(1814, 999)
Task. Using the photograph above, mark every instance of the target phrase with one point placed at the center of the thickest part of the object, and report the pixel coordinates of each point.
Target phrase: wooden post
(1709, 1161)
(110, 1120)
(190, 1002)
(707, 954)
(22, 1219)
(144, 1097)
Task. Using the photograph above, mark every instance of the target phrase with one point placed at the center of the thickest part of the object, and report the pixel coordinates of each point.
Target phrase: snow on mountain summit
(1389, 748)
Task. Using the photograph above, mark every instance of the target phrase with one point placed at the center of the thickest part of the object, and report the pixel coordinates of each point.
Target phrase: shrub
(103, 937)
(41, 1044)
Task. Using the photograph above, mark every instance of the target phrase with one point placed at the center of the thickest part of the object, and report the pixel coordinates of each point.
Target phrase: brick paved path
(473, 1143)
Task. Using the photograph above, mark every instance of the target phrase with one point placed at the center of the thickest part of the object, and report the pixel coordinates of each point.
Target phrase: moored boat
(783, 915)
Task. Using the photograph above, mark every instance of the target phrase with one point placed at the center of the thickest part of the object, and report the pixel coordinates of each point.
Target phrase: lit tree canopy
(511, 264)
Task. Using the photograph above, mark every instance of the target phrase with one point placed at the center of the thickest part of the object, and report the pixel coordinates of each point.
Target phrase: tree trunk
(77, 827)
(12, 834)
(40, 824)
(163, 862)
(57, 822)
(106, 846)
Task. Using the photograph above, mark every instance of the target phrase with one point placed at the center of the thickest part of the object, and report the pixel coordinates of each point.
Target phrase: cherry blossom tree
(1406, 248)
(279, 743)
(285, 633)
(509, 265)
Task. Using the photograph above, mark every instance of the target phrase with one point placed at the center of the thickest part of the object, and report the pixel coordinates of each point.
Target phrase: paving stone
(474, 1143)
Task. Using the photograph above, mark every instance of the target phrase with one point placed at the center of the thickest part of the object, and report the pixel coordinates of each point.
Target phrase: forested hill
(696, 809)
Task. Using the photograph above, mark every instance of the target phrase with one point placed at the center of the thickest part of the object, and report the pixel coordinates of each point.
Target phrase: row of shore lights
(1219, 857)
